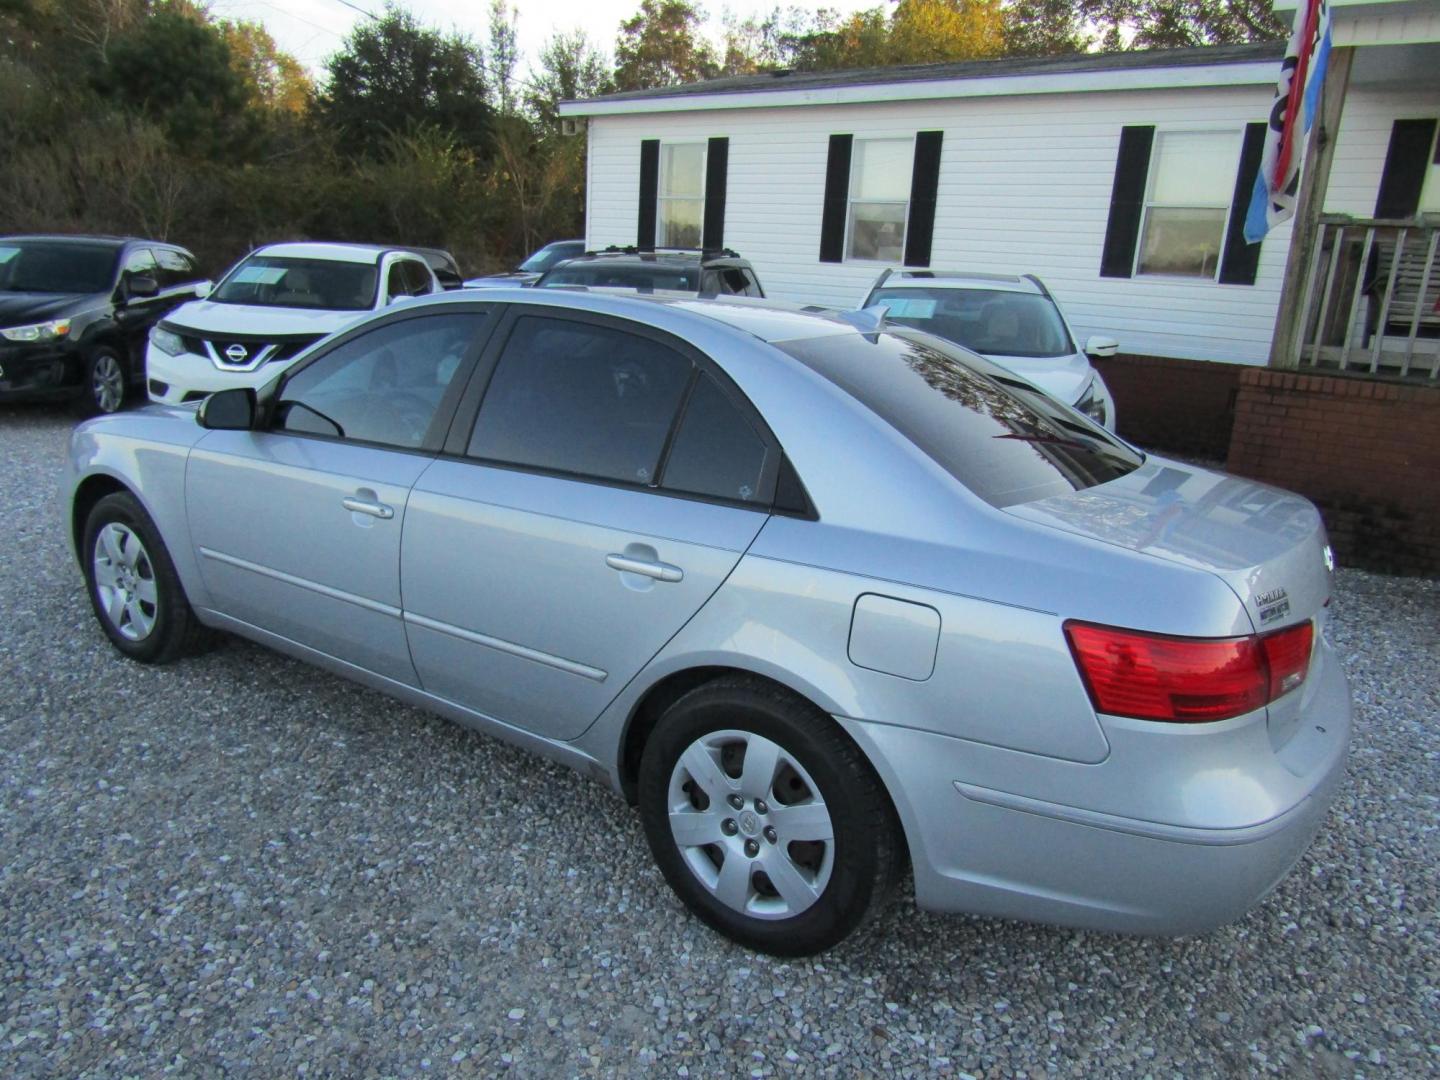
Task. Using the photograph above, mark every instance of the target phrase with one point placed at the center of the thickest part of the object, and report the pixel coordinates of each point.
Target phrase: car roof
(661, 256)
(93, 241)
(769, 320)
(961, 279)
(330, 252)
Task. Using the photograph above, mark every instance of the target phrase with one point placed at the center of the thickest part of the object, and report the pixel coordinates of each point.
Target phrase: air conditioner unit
(571, 125)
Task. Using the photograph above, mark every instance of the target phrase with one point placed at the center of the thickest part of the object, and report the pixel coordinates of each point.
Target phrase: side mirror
(141, 287)
(228, 410)
(1102, 346)
(204, 289)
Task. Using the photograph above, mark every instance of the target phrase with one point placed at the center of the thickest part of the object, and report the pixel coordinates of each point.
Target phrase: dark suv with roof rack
(703, 273)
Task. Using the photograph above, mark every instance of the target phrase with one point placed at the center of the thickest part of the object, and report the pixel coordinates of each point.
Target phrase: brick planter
(1366, 452)
(1174, 406)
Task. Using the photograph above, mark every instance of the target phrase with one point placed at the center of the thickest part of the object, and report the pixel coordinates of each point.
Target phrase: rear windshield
(994, 322)
(642, 278)
(45, 267)
(324, 284)
(1004, 440)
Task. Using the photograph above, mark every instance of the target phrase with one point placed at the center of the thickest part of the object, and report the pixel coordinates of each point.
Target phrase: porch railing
(1371, 298)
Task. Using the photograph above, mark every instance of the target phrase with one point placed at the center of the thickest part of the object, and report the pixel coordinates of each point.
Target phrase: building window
(1187, 201)
(1430, 186)
(680, 202)
(880, 171)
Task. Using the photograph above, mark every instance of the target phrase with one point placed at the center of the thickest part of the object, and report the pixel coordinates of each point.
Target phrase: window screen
(716, 452)
(580, 398)
(681, 196)
(879, 198)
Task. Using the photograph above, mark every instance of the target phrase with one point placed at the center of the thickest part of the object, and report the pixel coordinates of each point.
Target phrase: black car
(529, 271)
(75, 312)
(704, 273)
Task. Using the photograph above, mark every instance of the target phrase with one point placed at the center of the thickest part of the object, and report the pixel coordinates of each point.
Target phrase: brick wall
(1366, 452)
(1175, 406)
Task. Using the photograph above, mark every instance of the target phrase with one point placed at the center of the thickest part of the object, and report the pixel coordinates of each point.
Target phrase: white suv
(1013, 321)
(269, 308)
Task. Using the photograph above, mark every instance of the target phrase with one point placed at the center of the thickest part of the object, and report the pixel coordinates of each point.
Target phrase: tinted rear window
(1002, 439)
(641, 278)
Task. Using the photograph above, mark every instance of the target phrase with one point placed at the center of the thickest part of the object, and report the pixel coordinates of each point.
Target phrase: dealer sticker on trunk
(1272, 605)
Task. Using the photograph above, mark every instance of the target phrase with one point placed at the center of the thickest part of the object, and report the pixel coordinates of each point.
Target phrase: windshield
(47, 267)
(1003, 439)
(993, 322)
(548, 256)
(323, 284)
(610, 276)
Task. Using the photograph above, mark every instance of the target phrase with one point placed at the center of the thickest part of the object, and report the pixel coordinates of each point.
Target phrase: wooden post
(1309, 205)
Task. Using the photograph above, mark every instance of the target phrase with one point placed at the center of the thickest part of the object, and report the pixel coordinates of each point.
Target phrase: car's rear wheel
(106, 384)
(766, 819)
(134, 590)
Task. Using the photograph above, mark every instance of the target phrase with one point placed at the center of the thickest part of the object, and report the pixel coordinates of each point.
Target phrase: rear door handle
(658, 570)
(365, 506)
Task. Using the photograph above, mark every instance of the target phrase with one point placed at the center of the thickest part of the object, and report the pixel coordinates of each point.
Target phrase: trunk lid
(1268, 545)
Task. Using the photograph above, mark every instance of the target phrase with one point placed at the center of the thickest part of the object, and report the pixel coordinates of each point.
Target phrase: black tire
(867, 859)
(105, 387)
(173, 630)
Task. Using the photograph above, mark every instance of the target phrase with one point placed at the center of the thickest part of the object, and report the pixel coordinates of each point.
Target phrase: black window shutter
(924, 186)
(649, 190)
(1405, 164)
(1127, 201)
(717, 164)
(837, 197)
(1240, 261)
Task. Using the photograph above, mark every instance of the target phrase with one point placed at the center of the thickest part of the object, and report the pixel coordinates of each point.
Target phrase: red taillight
(1187, 680)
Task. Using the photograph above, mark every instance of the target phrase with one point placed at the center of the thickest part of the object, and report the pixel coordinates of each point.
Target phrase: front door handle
(365, 506)
(660, 571)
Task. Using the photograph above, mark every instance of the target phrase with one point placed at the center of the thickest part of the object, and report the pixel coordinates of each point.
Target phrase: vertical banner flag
(1301, 75)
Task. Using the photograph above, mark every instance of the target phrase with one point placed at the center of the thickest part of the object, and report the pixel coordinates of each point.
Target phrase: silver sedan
(823, 599)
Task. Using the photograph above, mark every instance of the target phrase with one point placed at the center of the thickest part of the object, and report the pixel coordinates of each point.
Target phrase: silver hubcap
(751, 824)
(107, 382)
(125, 582)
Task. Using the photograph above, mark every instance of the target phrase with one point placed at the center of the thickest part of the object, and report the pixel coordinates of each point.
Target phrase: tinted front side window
(175, 268)
(274, 281)
(716, 452)
(580, 398)
(37, 266)
(995, 322)
(1002, 439)
(382, 387)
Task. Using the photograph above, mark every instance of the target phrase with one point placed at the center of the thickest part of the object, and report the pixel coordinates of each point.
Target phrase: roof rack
(631, 249)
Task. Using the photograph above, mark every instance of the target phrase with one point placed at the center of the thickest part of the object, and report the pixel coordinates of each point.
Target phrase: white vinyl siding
(1025, 184)
(1365, 126)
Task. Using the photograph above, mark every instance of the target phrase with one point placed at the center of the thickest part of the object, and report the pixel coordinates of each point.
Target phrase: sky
(310, 30)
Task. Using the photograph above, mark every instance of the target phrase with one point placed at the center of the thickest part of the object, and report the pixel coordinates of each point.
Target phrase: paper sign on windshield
(910, 308)
(259, 275)
(8, 253)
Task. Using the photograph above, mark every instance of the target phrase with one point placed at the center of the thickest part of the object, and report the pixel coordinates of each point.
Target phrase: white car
(1010, 320)
(269, 308)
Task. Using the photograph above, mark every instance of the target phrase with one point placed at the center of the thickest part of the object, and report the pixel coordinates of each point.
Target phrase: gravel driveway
(242, 865)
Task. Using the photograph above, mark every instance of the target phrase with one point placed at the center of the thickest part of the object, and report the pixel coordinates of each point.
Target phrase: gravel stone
(241, 865)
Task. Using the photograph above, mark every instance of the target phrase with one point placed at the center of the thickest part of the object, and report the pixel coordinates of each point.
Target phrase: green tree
(662, 45)
(1178, 24)
(393, 76)
(1044, 28)
(502, 55)
(569, 68)
(912, 32)
(175, 68)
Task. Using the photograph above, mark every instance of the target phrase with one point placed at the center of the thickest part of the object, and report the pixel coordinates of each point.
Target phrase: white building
(1120, 179)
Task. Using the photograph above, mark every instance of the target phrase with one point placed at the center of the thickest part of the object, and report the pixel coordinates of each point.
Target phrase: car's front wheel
(134, 590)
(106, 383)
(766, 819)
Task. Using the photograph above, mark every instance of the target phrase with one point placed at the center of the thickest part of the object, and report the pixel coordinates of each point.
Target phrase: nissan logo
(237, 353)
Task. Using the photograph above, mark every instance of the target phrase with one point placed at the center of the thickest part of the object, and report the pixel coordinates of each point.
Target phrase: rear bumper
(1022, 849)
